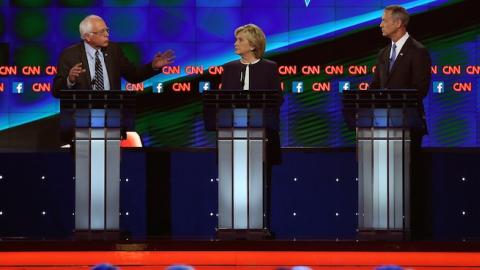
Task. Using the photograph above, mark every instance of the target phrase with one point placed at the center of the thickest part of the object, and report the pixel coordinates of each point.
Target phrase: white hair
(85, 26)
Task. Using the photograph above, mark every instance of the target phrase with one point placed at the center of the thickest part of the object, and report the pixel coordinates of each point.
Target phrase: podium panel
(97, 118)
(241, 161)
(241, 120)
(383, 179)
(384, 121)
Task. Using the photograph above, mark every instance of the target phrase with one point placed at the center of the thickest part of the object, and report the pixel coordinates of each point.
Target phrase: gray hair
(85, 26)
(399, 13)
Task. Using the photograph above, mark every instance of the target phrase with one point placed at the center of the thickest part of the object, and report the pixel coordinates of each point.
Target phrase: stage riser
(174, 194)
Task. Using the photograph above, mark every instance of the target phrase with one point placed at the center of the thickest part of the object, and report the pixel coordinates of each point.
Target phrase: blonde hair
(255, 37)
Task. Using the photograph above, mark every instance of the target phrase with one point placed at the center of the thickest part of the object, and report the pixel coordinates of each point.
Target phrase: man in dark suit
(96, 63)
(406, 64)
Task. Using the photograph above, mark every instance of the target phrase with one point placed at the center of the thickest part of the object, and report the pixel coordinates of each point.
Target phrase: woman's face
(242, 45)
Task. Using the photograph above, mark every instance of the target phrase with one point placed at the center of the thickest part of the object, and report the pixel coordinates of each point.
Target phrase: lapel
(83, 56)
(386, 62)
(109, 66)
(400, 56)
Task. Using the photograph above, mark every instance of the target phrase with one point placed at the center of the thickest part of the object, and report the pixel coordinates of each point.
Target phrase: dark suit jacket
(262, 76)
(116, 63)
(411, 70)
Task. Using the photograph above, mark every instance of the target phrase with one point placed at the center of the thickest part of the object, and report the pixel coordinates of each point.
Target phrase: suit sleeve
(227, 82)
(131, 72)
(375, 84)
(60, 80)
(421, 71)
(275, 78)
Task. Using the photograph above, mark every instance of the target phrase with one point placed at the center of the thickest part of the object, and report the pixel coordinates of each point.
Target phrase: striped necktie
(98, 72)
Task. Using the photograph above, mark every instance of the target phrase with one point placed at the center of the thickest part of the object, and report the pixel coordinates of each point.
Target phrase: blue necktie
(98, 73)
(394, 56)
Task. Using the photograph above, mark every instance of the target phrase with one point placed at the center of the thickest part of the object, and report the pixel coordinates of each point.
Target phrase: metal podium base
(105, 235)
(249, 234)
(383, 235)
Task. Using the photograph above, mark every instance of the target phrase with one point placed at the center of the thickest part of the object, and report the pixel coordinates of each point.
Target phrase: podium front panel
(96, 117)
(255, 182)
(240, 181)
(241, 172)
(82, 183)
(384, 165)
(225, 181)
(112, 178)
(97, 179)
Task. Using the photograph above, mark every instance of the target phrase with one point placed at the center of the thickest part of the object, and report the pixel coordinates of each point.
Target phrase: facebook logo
(203, 86)
(17, 87)
(343, 86)
(438, 87)
(157, 87)
(297, 87)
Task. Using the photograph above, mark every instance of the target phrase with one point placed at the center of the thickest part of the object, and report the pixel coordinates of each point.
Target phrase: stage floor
(136, 260)
(73, 255)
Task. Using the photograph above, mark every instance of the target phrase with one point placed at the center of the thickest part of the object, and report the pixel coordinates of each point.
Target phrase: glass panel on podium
(384, 121)
(97, 118)
(241, 120)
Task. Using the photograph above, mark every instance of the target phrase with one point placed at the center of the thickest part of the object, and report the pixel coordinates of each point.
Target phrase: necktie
(98, 73)
(393, 57)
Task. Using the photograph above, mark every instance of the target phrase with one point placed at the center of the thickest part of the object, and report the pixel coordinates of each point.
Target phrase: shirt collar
(401, 41)
(90, 50)
(252, 63)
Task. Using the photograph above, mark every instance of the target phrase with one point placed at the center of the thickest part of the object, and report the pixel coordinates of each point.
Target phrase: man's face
(99, 36)
(389, 25)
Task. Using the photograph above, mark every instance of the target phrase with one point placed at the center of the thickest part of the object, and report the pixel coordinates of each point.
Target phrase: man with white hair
(98, 64)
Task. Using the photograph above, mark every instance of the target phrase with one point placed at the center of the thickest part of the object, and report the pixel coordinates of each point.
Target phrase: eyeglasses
(101, 32)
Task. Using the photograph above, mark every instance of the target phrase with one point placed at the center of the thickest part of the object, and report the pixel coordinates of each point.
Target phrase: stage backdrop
(322, 47)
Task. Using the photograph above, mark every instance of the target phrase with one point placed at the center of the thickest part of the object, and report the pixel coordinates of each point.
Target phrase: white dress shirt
(399, 45)
(246, 85)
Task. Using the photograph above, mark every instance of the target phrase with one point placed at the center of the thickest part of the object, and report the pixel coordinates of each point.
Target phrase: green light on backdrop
(125, 3)
(169, 128)
(31, 55)
(31, 25)
(31, 3)
(77, 3)
(311, 129)
(69, 25)
(170, 3)
(132, 52)
(122, 27)
(348, 135)
(451, 130)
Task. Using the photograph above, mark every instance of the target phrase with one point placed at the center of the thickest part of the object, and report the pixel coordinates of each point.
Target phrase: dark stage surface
(173, 195)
